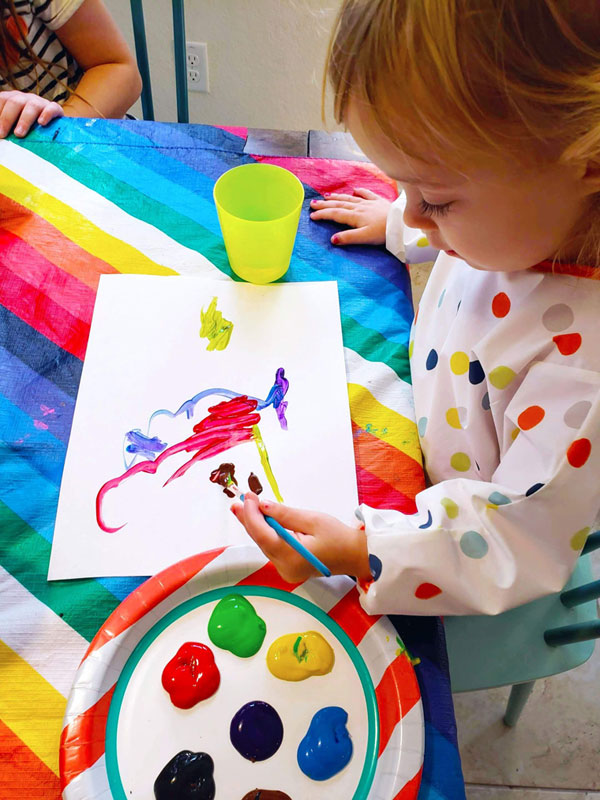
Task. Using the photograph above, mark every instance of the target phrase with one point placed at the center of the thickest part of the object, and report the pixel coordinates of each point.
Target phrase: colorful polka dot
(432, 359)
(427, 523)
(460, 462)
(533, 489)
(501, 305)
(500, 377)
(425, 591)
(515, 433)
(450, 507)
(376, 566)
(558, 317)
(579, 452)
(531, 417)
(441, 300)
(575, 416)
(473, 544)
(422, 426)
(567, 343)
(499, 499)
(476, 373)
(456, 417)
(411, 347)
(578, 539)
(423, 242)
(485, 401)
(459, 362)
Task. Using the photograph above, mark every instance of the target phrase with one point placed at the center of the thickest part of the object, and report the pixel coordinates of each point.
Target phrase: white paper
(145, 354)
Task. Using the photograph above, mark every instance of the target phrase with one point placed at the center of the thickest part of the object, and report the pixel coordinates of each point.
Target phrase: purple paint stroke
(142, 445)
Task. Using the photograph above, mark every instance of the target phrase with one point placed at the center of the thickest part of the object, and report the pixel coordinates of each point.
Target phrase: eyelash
(432, 210)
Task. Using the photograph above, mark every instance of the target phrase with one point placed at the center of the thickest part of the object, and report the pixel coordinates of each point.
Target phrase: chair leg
(516, 702)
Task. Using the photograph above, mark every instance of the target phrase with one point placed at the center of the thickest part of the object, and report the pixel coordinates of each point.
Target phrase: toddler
(488, 116)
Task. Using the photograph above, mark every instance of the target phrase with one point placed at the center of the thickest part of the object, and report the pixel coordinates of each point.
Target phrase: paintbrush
(224, 477)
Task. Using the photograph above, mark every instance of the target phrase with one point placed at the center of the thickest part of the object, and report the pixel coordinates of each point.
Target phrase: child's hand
(364, 211)
(340, 547)
(22, 109)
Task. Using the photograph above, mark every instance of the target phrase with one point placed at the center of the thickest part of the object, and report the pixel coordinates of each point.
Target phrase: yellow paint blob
(500, 377)
(459, 362)
(578, 539)
(423, 242)
(460, 462)
(450, 506)
(297, 656)
(452, 418)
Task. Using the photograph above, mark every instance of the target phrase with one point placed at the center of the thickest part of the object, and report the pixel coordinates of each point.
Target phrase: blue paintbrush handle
(296, 545)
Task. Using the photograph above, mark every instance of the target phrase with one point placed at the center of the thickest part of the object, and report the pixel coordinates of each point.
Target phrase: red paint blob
(425, 591)
(191, 675)
(531, 417)
(579, 452)
(501, 305)
(567, 343)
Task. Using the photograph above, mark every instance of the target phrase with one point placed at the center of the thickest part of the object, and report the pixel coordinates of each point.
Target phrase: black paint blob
(256, 731)
(187, 776)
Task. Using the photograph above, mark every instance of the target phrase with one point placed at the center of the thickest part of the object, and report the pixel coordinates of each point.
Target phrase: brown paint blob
(266, 794)
(224, 475)
(254, 484)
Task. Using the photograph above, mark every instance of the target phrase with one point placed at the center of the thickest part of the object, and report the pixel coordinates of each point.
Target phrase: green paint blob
(234, 625)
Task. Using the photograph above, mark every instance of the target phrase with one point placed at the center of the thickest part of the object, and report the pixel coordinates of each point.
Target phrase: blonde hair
(474, 77)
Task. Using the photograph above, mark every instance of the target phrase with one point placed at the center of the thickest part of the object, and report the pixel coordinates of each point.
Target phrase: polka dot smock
(506, 376)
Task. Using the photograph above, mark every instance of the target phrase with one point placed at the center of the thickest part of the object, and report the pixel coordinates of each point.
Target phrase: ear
(590, 176)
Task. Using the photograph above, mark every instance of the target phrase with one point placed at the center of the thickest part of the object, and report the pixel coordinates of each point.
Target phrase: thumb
(293, 519)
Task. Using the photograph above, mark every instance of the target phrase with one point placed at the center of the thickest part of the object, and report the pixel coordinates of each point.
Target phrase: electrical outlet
(197, 66)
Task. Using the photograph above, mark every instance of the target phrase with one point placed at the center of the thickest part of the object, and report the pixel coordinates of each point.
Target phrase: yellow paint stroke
(264, 460)
(77, 228)
(215, 327)
(400, 432)
(30, 706)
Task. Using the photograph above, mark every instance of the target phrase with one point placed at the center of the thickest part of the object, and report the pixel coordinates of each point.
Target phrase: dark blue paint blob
(533, 489)
(187, 776)
(476, 373)
(256, 731)
(376, 566)
(432, 359)
(428, 522)
(327, 746)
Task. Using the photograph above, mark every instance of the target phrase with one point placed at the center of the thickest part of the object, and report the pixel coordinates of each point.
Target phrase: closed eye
(433, 210)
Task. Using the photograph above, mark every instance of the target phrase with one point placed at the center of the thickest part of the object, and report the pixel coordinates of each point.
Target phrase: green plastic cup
(259, 208)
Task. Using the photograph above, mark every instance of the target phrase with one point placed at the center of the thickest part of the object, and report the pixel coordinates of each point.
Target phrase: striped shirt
(41, 19)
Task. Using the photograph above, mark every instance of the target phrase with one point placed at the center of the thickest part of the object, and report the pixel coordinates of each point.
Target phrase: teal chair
(141, 52)
(542, 638)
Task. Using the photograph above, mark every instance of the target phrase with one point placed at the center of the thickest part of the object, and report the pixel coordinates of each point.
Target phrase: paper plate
(120, 728)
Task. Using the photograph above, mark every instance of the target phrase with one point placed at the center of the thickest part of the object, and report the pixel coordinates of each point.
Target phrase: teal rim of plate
(370, 765)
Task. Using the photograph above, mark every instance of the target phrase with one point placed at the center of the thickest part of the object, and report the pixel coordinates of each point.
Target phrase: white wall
(265, 59)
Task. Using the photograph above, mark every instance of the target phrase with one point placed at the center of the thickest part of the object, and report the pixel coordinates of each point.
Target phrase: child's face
(502, 218)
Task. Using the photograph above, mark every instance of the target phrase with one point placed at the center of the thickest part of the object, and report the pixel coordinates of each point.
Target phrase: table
(87, 197)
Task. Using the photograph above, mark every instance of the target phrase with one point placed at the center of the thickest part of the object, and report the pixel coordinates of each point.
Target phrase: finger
(341, 215)
(335, 204)
(50, 112)
(366, 194)
(28, 116)
(9, 115)
(294, 519)
(340, 196)
(362, 235)
(254, 522)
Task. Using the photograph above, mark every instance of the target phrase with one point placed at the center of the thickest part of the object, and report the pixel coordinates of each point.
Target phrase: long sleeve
(407, 244)
(510, 429)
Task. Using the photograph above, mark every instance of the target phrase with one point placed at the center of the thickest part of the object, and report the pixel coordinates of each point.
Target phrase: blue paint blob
(498, 499)
(473, 544)
(432, 359)
(422, 426)
(427, 524)
(476, 373)
(187, 776)
(256, 731)
(533, 489)
(376, 566)
(327, 746)
(441, 300)
(485, 401)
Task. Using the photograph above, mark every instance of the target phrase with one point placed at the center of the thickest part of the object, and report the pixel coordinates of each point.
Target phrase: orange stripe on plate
(399, 680)
(22, 774)
(149, 595)
(351, 616)
(410, 789)
(52, 244)
(268, 576)
(389, 464)
(82, 741)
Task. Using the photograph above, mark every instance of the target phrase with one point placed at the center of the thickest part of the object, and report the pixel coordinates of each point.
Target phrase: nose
(413, 218)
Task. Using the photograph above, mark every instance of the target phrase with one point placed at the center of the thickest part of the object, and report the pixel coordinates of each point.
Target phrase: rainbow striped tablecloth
(82, 198)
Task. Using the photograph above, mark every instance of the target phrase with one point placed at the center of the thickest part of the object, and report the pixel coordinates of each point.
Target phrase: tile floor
(554, 751)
